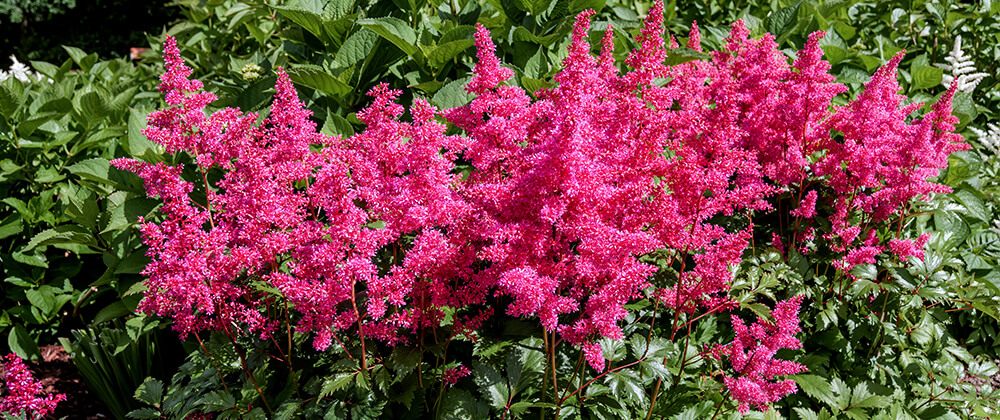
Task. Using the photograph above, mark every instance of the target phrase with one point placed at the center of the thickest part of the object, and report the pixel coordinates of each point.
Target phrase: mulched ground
(58, 375)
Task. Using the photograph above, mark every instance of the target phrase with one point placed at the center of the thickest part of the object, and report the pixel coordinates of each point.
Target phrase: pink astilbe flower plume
(751, 356)
(382, 234)
(22, 397)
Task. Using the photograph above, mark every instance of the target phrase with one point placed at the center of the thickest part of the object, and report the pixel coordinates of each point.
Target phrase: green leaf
(137, 144)
(393, 30)
(145, 413)
(538, 65)
(683, 55)
(443, 53)
(357, 47)
(816, 387)
(80, 57)
(65, 234)
(336, 383)
(150, 392)
(862, 398)
(42, 298)
(317, 78)
(96, 169)
(92, 107)
(46, 69)
(453, 94)
(10, 225)
(9, 102)
(964, 107)
(287, 410)
(22, 344)
(115, 310)
(307, 19)
(779, 20)
(533, 7)
(925, 77)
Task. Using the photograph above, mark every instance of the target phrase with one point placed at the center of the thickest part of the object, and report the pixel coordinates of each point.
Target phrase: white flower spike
(961, 68)
(989, 137)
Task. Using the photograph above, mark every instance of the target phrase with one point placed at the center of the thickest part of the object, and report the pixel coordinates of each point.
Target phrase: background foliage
(923, 347)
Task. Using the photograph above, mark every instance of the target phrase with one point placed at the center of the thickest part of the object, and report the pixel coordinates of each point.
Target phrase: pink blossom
(22, 397)
(453, 375)
(751, 356)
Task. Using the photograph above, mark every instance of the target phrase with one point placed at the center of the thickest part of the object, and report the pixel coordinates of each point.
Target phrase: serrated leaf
(11, 225)
(317, 78)
(393, 30)
(356, 48)
(66, 234)
(925, 77)
(453, 94)
(307, 19)
(683, 55)
(779, 20)
(336, 383)
(335, 125)
(145, 413)
(816, 387)
(150, 392)
(533, 7)
(443, 53)
(861, 397)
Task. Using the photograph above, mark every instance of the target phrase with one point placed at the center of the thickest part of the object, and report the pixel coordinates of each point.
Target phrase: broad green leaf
(683, 55)
(357, 47)
(395, 31)
(137, 144)
(925, 77)
(335, 125)
(113, 311)
(779, 20)
(96, 169)
(317, 78)
(9, 101)
(150, 392)
(816, 387)
(533, 7)
(22, 344)
(42, 298)
(443, 53)
(81, 58)
(46, 69)
(309, 20)
(10, 225)
(145, 413)
(66, 234)
(453, 94)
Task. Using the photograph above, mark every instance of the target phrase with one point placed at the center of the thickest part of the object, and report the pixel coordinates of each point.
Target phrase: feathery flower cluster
(989, 137)
(962, 68)
(22, 392)
(379, 232)
(22, 72)
(751, 355)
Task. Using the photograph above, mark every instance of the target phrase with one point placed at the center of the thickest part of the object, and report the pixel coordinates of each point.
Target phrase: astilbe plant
(22, 397)
(567, 193)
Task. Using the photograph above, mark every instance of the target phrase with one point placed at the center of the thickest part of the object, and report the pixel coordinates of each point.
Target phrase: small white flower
(962, 68)
(19, 70)
(989, 138)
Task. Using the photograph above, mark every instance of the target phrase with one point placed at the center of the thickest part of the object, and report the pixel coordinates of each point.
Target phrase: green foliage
(18, 10)
(114, 361)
